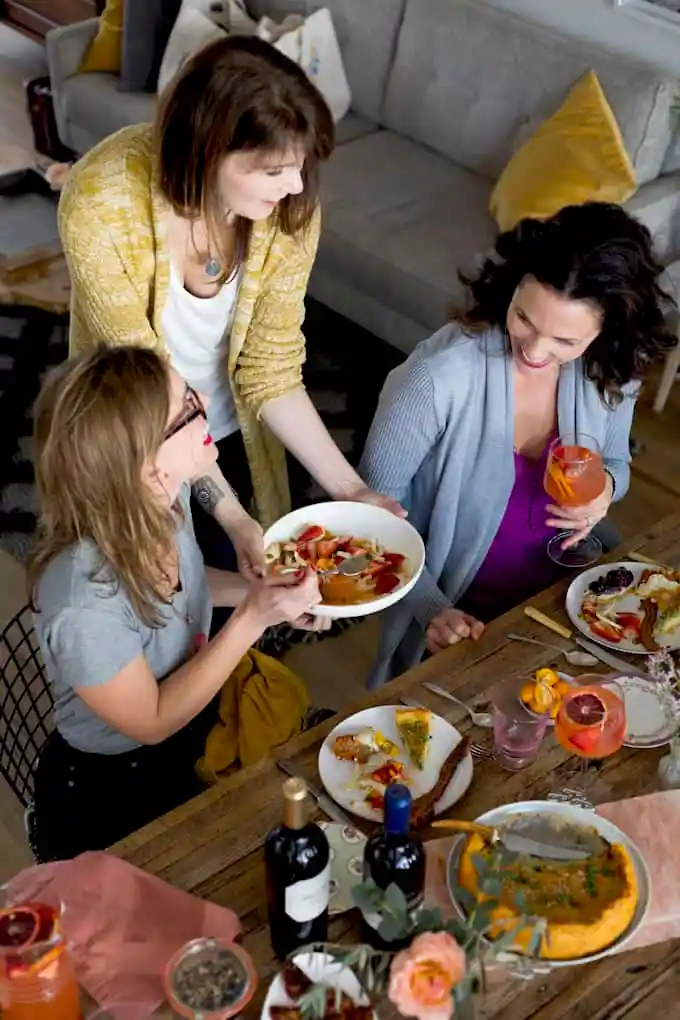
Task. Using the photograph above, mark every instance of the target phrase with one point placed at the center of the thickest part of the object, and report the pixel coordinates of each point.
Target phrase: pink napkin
(653, 824)
(123, 926)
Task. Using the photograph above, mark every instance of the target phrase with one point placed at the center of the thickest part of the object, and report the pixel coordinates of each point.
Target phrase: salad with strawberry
(315, 547)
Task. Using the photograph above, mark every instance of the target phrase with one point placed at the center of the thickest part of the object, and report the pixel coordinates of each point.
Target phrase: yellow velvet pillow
(576, 156)
(105, 52)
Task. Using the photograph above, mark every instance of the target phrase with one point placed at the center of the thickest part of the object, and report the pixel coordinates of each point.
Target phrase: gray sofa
(443, 92)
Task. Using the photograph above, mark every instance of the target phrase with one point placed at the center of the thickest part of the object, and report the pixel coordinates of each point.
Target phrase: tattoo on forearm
(207, 493)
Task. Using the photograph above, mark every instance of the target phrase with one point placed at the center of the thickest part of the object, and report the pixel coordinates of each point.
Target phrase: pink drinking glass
(517, 731)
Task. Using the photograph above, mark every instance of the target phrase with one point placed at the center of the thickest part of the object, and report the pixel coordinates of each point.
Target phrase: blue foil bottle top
(397, 808)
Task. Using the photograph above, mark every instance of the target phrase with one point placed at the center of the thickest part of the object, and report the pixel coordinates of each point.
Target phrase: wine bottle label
(307, 899)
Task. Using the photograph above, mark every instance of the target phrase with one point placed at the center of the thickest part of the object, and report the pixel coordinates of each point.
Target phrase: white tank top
(196, 332)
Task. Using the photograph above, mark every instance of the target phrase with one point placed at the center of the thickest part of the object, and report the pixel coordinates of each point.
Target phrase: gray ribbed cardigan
(441, 443)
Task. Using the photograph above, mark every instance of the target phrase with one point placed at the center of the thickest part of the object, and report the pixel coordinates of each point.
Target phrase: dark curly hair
(593, 252)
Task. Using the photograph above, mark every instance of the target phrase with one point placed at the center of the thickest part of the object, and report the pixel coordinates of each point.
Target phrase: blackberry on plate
(612, 582)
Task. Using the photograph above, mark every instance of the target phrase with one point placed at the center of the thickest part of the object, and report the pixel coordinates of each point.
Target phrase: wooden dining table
(213, 845)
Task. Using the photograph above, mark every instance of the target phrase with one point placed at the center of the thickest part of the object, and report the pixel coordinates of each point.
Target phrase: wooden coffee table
(212, 846)
(35, 276)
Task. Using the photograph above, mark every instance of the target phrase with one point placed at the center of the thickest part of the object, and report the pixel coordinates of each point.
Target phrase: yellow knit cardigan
(113, 224)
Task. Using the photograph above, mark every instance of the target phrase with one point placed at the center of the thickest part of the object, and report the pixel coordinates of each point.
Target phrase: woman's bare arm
(135, 704)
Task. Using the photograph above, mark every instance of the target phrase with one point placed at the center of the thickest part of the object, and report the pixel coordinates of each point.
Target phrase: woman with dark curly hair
(561, 324)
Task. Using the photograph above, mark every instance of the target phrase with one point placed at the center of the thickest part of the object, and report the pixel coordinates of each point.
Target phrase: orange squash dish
(588, 904)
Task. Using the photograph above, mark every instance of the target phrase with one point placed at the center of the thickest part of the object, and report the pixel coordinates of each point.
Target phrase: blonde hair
(97, 421)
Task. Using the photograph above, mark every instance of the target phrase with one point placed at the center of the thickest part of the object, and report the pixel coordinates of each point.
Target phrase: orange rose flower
(423, 976)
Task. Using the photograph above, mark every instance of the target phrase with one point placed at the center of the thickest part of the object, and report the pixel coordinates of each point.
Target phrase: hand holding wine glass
(582, 519)
(576, 479)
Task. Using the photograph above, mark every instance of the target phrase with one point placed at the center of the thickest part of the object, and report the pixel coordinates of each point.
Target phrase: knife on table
(536, 836)
(327, 805)
(615, 661)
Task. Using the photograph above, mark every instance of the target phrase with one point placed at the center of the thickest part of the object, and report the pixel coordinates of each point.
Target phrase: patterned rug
(30, 343)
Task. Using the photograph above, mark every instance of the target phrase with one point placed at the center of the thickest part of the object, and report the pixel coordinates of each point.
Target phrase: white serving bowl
(361, 520)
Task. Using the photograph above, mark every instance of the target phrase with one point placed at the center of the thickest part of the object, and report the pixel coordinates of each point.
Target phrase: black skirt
(86, 801)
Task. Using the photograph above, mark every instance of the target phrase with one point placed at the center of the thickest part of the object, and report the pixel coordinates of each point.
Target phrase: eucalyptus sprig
(397, 923)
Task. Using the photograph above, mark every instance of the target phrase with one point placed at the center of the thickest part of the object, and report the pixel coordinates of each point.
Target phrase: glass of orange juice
(591, 721)
(574, 476)
(37, 981)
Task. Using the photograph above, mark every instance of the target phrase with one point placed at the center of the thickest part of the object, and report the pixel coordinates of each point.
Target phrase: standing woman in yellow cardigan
(196, 236)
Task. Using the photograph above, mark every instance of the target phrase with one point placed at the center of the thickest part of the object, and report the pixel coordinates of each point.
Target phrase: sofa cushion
(467, 77)
(366, 31)
(105, 52)
(98, 104)
(398, 223)
(352, 127)
(575, 156)
(146, 30)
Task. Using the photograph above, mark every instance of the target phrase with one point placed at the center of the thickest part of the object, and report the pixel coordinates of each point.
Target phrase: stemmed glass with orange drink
(574, 476)
(591, 720)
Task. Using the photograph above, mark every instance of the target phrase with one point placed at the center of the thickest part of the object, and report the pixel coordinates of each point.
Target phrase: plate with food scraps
(326, 535)
(652, 715)
(395, 743)
(628, 607)
(296, 979)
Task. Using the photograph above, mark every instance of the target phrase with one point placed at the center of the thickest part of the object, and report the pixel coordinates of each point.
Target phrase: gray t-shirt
(89, 631)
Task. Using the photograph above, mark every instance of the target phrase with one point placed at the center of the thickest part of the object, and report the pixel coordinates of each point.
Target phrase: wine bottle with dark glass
(393, 855)
(297, 863)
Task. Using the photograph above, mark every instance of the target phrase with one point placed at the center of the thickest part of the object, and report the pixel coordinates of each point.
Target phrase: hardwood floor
(20, 59)
(335, 669)
(37, 17)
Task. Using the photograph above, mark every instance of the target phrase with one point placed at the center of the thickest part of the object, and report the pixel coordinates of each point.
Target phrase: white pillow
(198, 24)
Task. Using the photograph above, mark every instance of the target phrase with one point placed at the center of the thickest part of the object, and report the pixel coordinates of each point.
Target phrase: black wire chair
(25, 705)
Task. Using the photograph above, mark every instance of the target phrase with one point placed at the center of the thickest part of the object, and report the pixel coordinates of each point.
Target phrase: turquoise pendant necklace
(212, 268)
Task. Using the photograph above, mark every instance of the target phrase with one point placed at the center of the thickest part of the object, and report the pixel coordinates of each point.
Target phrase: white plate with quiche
(394, 743)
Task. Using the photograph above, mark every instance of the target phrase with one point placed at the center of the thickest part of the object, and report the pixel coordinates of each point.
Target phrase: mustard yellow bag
(262, 705)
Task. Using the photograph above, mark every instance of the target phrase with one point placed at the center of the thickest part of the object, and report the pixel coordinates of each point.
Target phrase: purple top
(517, 564)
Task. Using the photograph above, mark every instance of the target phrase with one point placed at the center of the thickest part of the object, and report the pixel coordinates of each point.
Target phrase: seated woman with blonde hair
(123, 602)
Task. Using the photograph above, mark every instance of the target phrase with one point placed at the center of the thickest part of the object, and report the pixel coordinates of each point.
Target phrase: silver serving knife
(327, 805)
(622, 665)
(540, 837)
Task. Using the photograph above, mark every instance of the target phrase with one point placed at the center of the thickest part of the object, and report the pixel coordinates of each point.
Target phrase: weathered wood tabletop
(212, 846)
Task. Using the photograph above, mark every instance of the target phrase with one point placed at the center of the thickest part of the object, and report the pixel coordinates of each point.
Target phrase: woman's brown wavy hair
(238, 95)
(98, 420)
(594, 252)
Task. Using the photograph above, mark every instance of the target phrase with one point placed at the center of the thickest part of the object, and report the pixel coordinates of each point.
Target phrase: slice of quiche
(413, 725)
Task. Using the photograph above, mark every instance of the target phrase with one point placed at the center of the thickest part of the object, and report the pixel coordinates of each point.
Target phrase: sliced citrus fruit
(547, 676)
(19, 927)
(527, 692)
(544, 699)
(586, 709)
(562, 687)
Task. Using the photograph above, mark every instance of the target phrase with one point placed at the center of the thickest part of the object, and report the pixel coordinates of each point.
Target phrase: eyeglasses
(195, 409)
